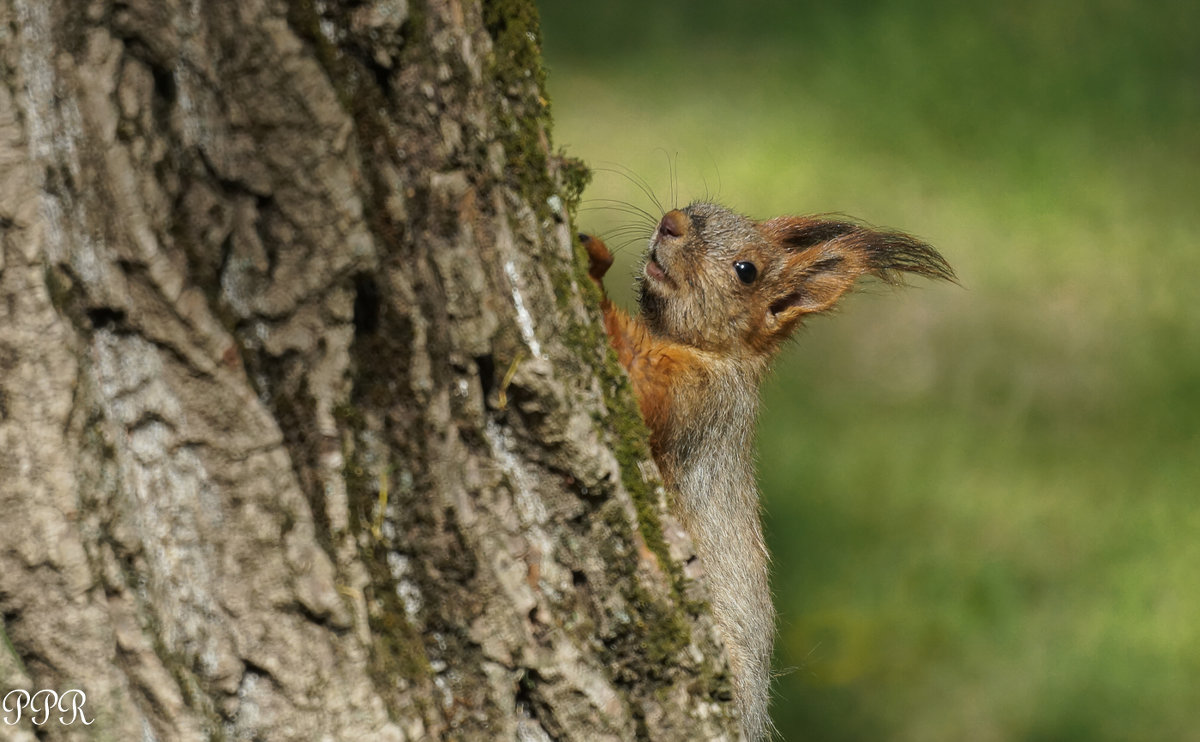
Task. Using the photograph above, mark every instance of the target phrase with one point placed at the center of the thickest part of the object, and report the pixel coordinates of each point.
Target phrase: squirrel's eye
(746, 271)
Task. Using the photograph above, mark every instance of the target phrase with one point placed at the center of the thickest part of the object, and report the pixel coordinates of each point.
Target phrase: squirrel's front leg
(599, 259)
(654, 365)
(627, 335)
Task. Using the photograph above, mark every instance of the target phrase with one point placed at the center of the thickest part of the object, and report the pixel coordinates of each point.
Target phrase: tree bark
(308, 429)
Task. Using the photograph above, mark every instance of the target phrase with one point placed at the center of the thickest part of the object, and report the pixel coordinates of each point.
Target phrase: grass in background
(982, 500)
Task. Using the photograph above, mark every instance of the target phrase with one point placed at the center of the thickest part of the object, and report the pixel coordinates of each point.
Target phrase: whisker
(637, 180)
(675, 181)
(638, 220)
(708, 194)
(635, 240)
(639, 223)
(672, 176)
(644, 227)
(627, 232)
(624, 240)
(623, 206)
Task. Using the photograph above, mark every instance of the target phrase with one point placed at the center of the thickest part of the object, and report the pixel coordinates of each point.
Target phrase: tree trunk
(308, 429)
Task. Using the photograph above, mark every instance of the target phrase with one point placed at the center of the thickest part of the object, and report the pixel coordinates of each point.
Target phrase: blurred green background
(984, 502)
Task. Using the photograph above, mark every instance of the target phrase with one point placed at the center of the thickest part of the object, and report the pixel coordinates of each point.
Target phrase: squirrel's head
(722, 282)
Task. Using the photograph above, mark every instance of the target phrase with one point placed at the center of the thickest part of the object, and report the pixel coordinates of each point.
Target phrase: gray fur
(713, 474)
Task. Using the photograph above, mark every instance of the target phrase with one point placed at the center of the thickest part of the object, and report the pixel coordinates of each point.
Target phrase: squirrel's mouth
(655, 271)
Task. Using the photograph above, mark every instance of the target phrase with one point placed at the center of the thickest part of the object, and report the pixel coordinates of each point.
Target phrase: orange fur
(659, 369)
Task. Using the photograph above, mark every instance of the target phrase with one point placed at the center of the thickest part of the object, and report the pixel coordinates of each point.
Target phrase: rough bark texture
(307, 427)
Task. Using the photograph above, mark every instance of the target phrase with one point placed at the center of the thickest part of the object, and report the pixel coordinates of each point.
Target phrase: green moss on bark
(522, 108)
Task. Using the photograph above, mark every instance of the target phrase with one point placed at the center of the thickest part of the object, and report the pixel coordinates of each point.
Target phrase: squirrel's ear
(826, 257)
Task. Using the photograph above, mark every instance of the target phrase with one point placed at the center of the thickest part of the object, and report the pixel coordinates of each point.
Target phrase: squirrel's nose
(674, 224)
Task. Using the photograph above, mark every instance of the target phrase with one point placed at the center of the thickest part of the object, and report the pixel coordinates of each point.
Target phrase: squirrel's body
(719, 294)
(711, 468)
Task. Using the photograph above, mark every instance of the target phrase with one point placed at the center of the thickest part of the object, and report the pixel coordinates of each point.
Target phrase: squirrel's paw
(599, 258)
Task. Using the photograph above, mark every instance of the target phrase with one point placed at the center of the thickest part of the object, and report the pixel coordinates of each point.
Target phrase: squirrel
(719, 293)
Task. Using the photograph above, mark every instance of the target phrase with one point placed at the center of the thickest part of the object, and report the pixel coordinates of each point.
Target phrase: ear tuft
(892, 254)
(885, 254)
